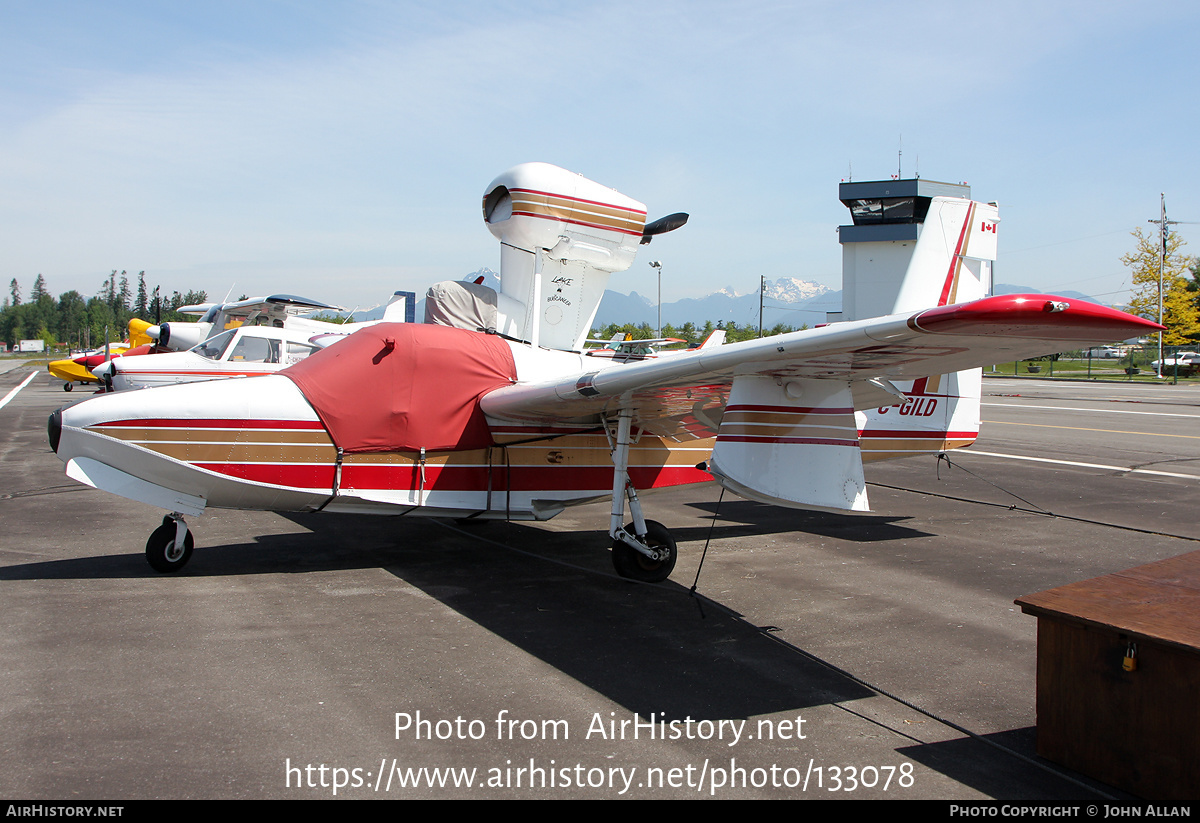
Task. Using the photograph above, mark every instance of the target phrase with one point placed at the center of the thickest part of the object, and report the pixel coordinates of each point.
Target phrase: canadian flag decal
(986, 226)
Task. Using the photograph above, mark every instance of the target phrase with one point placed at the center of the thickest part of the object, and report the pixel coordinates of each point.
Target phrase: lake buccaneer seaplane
(491, 408)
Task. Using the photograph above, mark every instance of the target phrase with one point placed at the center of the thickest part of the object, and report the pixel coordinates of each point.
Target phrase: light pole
(657, 264)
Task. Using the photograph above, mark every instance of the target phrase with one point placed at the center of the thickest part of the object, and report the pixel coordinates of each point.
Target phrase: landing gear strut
(170, 545)
(644, 549)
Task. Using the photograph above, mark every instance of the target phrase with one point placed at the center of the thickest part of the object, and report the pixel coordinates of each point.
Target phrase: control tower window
(889, 210)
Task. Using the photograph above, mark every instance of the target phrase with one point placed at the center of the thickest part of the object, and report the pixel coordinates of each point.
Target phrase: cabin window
(214, 347)
(297, 352)
(255, 350)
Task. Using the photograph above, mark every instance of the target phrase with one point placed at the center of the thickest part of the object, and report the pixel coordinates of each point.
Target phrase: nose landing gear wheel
(163, 554)
(631, 563)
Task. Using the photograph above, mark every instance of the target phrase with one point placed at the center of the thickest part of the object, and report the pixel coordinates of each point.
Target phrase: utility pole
(762, 286)
(1164, 232)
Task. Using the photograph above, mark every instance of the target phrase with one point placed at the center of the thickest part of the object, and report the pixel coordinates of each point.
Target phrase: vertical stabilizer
(915, 244)
(952, 261)
(401, 308)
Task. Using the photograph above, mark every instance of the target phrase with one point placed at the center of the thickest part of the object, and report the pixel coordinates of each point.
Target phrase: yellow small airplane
(79, 369)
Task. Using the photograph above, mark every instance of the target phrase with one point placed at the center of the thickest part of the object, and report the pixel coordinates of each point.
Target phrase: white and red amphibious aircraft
(494, 411)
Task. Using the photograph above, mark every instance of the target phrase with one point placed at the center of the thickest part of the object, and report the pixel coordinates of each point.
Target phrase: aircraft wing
(861, 354)
(782, 408)
(196, 309)
(286, 302)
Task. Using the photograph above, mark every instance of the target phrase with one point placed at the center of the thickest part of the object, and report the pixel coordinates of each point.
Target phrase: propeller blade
(663, 225)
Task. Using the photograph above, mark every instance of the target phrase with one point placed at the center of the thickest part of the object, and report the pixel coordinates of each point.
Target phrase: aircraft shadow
(857, 528)
(651, 649)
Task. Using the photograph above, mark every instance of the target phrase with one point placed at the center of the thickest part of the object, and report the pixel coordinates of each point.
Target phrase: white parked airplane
(243, 351)
(278, 310)
(231, 343)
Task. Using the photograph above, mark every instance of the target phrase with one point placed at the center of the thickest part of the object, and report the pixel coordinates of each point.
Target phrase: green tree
(141, 306)
(72, 318)
(124, 296)
(109, 290)
(39, 289)
(1180, 313)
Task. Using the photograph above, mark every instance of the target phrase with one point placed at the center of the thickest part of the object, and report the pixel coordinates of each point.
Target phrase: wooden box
(1136, 730)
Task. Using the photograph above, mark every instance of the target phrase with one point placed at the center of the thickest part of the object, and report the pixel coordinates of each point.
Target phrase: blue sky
(339, 150)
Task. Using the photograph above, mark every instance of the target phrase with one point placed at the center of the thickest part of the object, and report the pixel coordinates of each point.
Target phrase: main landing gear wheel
(163, 554)
(631, 563)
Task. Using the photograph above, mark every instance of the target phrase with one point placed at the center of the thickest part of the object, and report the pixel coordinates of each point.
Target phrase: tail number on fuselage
(915, 407)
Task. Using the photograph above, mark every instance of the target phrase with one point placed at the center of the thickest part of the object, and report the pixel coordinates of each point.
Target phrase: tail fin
(401, 308)
(952, 261)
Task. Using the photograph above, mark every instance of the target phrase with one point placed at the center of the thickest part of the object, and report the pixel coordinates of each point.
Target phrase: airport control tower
(888, 218)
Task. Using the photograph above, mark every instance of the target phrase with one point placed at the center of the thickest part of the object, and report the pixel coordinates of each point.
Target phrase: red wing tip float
(491, 408)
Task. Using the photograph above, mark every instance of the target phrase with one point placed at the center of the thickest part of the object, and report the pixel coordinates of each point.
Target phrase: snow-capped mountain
(793, 290)
(788, 300)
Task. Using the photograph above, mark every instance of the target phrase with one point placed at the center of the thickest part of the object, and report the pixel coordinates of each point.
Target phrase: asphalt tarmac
(821, 656)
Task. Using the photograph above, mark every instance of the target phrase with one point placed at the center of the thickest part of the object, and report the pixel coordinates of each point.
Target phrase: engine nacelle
(570, 218)
(561, 237)
(182, 336)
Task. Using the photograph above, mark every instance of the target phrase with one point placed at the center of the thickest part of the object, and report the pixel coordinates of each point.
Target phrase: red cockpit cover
(405, 386)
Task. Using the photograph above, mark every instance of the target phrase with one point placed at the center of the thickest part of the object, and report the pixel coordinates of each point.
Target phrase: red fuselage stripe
(791, 409)
(917, 433)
